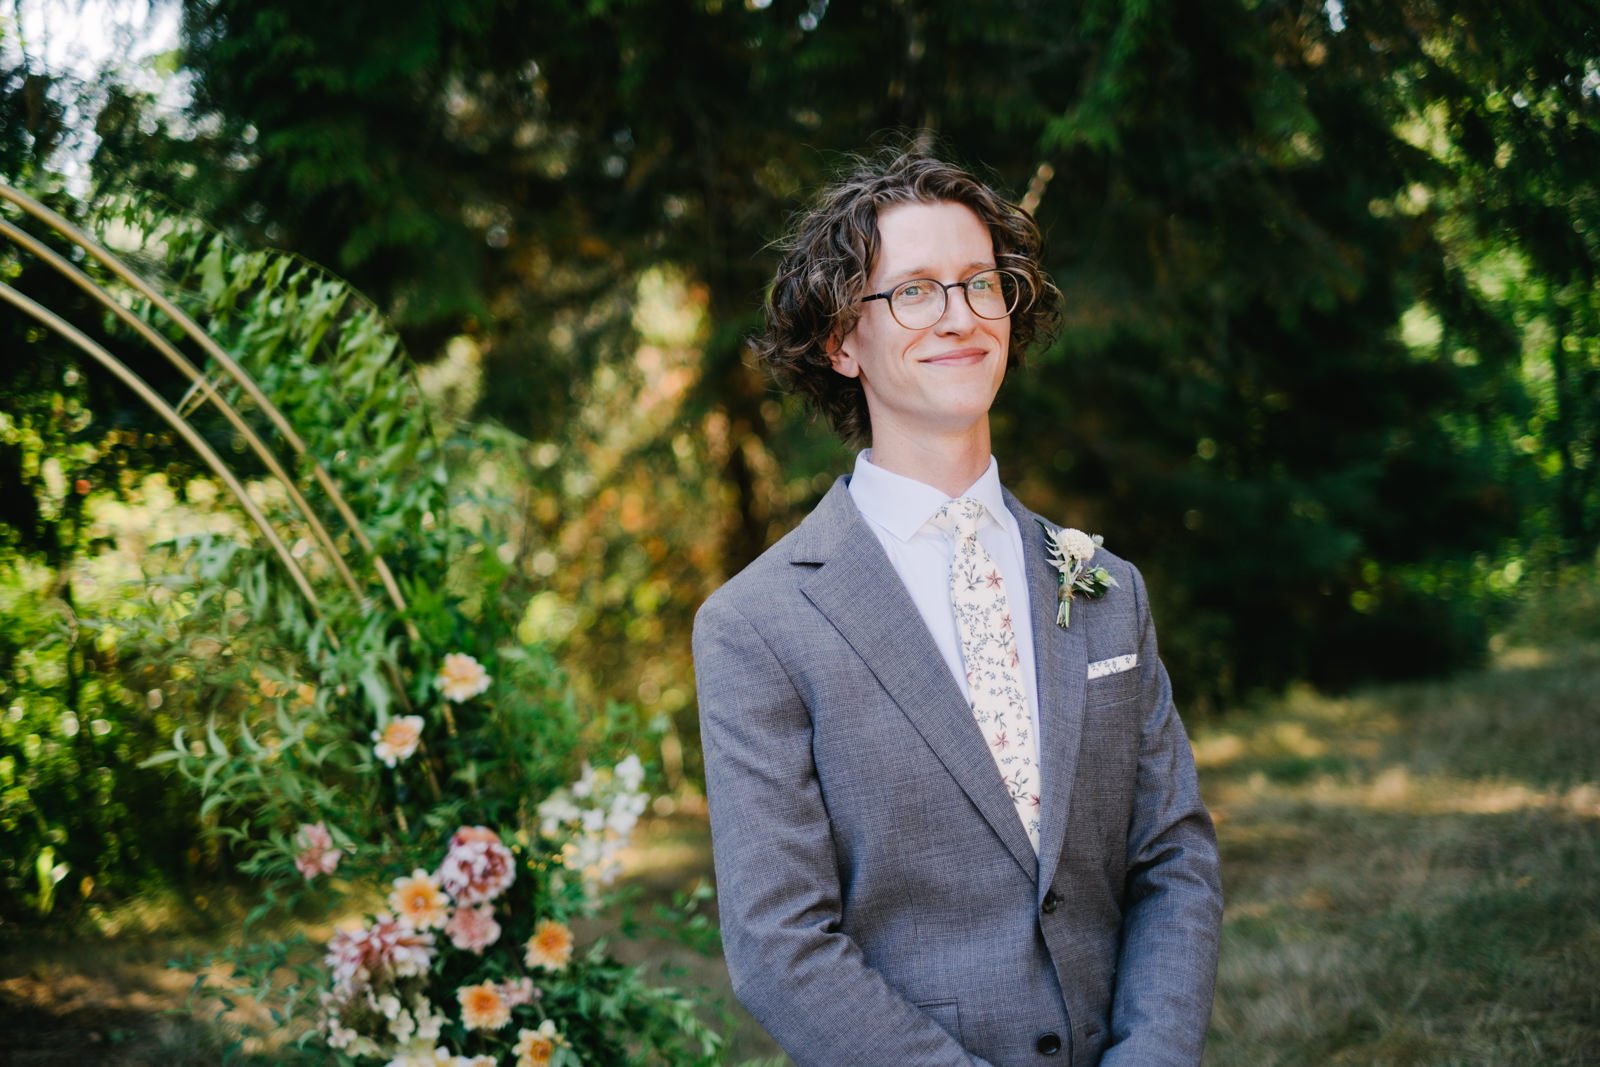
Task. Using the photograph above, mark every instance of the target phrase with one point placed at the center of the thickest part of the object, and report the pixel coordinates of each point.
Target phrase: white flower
(419, 901)
(625, 811)
(1070, 553)
(398, 740)
(401, 1025)
(340, 1036)
(429, 1022)
(422, 1054)
(594, 817)
(1075, 544)
(583, 788)
(461, 677)
(555, 810)
(630, 772)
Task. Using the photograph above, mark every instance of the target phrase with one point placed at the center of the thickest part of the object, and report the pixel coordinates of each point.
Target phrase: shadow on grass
(105, 1001)
(1413, 873)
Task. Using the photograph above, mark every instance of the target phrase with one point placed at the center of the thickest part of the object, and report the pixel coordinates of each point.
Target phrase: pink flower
(518, 991)
(388, 948)
(317, 854)
(473, 929)
(478, 867)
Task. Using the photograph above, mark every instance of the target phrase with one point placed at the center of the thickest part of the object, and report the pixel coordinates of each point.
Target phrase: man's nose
(958, 316)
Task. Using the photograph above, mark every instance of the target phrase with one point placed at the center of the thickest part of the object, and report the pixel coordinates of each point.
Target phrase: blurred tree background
(1329, 370)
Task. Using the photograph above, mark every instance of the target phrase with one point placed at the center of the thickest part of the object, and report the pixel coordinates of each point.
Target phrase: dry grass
(1413, 874)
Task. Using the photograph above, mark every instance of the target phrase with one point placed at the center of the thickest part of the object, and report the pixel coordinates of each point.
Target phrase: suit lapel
(1061, 659)
(857, 588)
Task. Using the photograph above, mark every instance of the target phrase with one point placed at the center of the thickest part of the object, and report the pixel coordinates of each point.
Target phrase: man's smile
(959, 357)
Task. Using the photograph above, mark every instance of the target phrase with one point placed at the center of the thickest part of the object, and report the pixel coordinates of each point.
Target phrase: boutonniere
(1070, 553)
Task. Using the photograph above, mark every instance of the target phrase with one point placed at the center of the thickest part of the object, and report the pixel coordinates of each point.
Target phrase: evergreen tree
(1245, 203)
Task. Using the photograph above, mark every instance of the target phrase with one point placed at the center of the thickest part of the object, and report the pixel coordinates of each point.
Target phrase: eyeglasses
(921, 302)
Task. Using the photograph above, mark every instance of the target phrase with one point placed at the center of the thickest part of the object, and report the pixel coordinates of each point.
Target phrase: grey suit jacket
(880, 902)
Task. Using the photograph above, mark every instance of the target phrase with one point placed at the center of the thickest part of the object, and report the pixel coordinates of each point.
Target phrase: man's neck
(950, 464)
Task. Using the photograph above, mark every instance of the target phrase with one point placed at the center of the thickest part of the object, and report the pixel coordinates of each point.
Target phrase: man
(948, 828)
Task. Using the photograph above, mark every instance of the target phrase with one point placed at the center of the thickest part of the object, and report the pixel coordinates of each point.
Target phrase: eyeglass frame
(887, 296)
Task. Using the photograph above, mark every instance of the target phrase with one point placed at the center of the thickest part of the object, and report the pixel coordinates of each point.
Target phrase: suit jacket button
(1049, 1043)
(1050, 903)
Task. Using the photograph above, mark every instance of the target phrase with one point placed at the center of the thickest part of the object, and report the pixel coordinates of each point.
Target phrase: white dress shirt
(897, 510)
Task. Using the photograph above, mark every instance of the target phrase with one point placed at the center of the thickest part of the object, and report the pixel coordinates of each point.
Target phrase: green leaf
(213, 741)
(247, 737)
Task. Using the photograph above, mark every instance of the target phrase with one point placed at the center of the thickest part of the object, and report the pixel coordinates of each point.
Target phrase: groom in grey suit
(945, 834)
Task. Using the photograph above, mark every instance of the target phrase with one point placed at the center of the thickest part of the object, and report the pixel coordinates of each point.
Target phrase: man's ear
(840, 359)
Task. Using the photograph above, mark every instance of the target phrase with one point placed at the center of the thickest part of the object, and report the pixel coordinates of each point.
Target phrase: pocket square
(1114, 665)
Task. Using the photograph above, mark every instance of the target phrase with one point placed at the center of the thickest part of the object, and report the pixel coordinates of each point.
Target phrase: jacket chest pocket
(1111, 689)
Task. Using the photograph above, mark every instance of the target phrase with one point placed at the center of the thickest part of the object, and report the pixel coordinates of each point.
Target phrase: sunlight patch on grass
(1521, 658)
(1412, 874)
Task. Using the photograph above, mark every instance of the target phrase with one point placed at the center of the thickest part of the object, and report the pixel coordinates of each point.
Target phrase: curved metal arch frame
(192, 330)
(201, 384)
(169, 413)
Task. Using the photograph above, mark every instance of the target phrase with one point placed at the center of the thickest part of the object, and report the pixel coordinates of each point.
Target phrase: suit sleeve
(1172, 917)
(777, 877)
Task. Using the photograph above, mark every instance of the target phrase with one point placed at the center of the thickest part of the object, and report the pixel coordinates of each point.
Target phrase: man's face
(941, 379)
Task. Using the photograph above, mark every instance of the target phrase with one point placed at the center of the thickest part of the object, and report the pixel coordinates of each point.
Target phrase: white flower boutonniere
(1070, 553)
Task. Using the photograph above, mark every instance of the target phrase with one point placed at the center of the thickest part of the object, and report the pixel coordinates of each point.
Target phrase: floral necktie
(989, 653)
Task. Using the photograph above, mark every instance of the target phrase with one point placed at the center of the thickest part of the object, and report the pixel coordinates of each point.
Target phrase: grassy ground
(1413, 878)
(1413, 875)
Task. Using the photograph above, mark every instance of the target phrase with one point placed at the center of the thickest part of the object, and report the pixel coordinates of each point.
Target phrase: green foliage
(80, 820)
(1250, 207)
(285, 707)
(1329, 363)
(1557, 610)
(76, 724)
(274, 691)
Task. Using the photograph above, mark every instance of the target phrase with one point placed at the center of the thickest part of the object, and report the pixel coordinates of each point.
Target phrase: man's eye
(914, 291)
(981, 285)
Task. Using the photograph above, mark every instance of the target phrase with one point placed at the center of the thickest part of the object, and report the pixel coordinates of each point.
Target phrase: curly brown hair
(828, 254)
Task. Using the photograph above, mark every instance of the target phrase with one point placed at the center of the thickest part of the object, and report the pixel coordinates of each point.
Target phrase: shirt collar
(903, 505)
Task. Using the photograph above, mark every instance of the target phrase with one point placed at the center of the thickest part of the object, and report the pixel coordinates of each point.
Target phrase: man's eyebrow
(928, 272)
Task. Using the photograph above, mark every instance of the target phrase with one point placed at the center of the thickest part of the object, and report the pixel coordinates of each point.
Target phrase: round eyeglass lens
(919, 303)
(992, 294)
